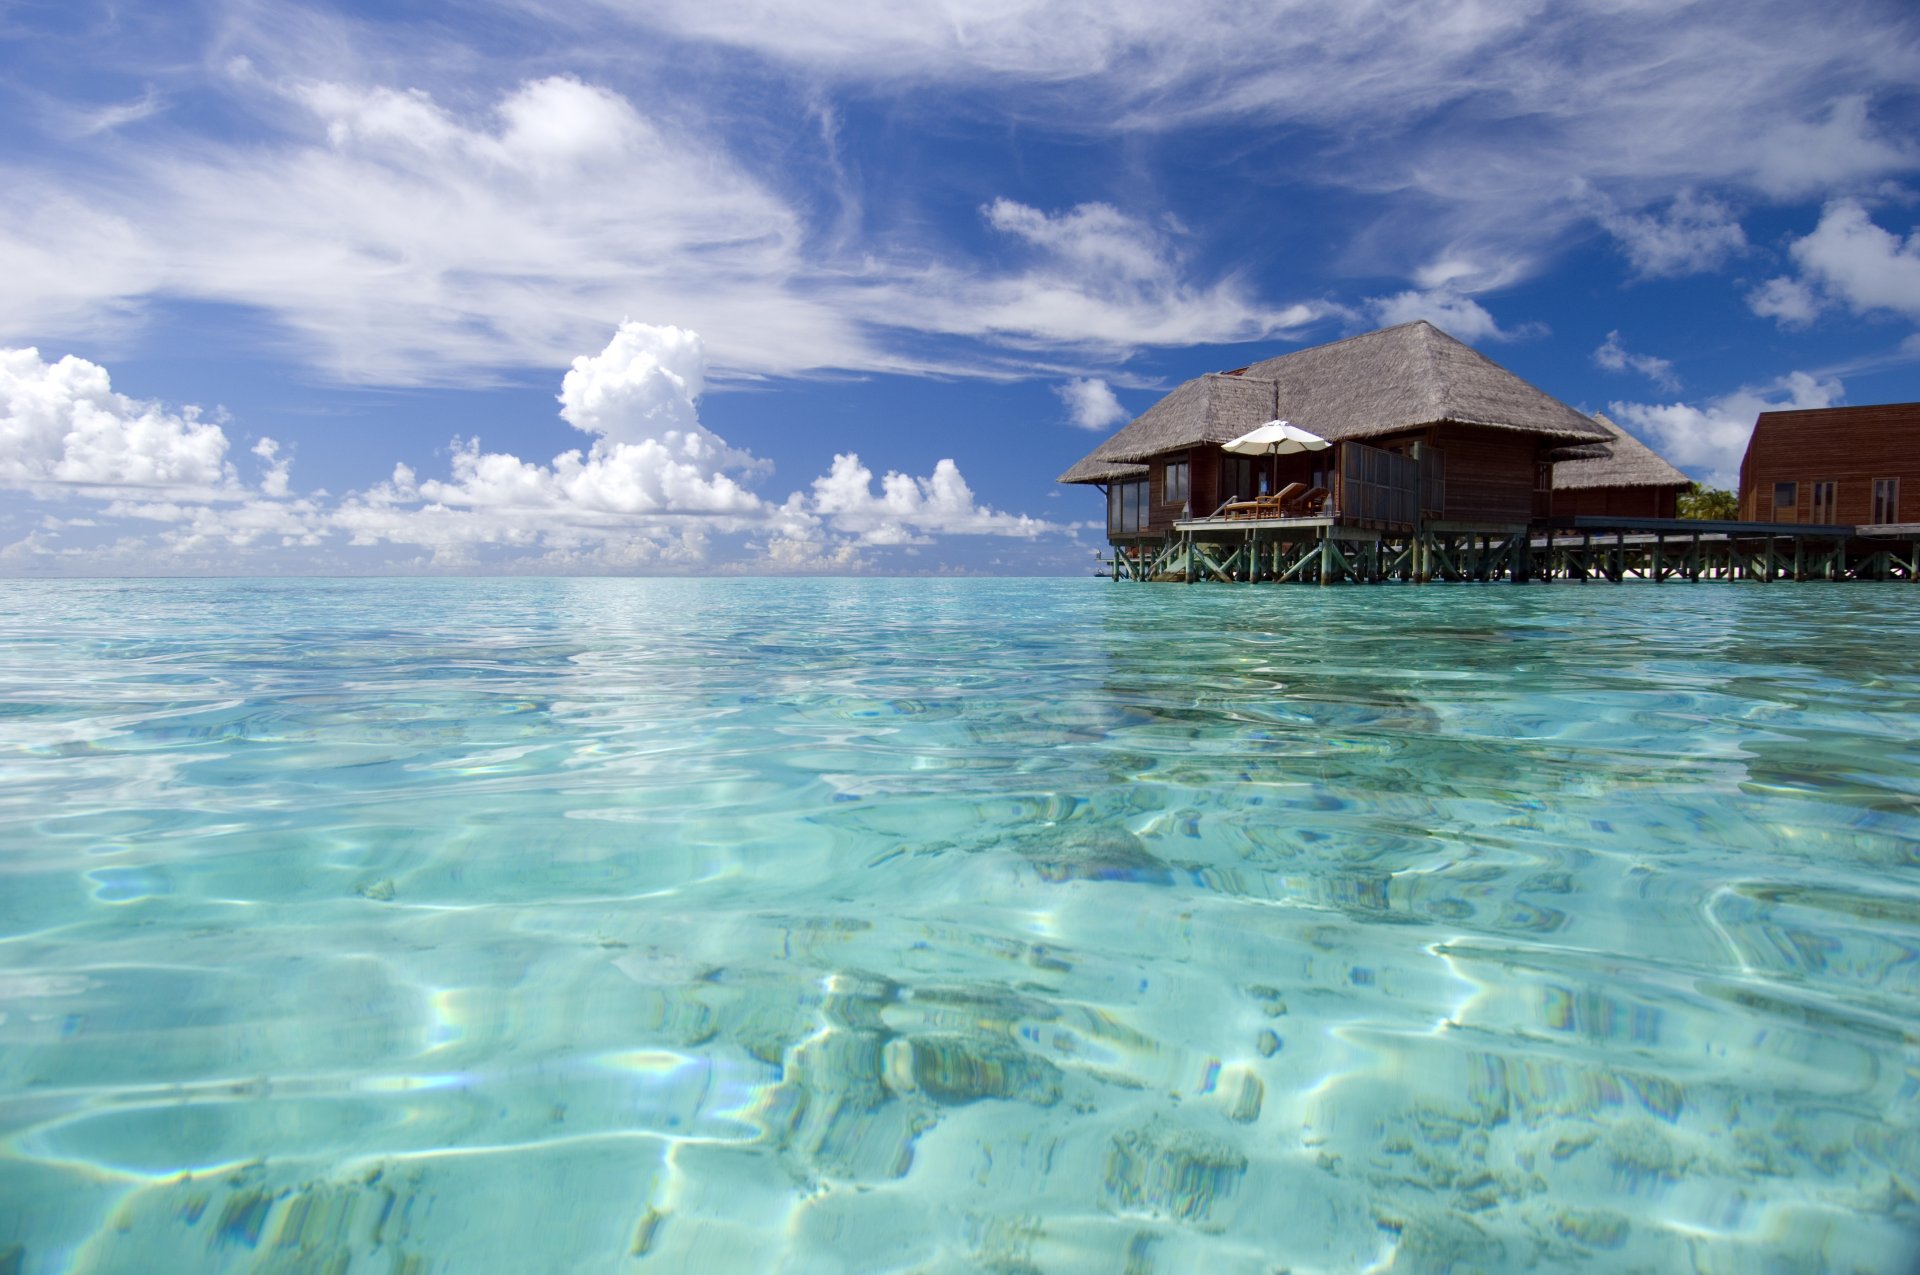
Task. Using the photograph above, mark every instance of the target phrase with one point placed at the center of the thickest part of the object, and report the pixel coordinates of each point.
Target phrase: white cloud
(279, 471)
(1615, 357)
(1091, 403)
(1801, 157)
(1849, 260)
(642, 386)
(1098, 279)
(1789, 301)
(403, 217)
(906, 509)
(1446, 308)
(398, 241)
(655, 491)
(1692, 236)
(1637, 100)
(1861, 264)
(63, 425)
(1708, 441)
(651, 460)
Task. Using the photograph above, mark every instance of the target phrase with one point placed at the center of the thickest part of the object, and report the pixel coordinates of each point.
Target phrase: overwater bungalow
(1622, 478)
(1435, 453)
(1834, 465)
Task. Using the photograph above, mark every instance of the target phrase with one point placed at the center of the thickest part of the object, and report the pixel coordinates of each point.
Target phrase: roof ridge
(1328, 345)
(1435, 369)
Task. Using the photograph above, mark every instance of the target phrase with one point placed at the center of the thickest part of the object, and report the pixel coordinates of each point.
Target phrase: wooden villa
(1622, 478)
(1834, 466)
(1438, 463)
(1440, 460)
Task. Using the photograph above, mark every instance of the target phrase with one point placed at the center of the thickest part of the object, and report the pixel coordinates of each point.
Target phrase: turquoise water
(610, 925)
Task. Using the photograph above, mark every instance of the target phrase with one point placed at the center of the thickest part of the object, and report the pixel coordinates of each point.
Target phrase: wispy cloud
(1488, 116)
(1615, 357)
(1691, 236)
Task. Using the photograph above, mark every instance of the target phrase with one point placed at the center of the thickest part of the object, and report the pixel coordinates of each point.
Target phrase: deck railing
(1378, 486)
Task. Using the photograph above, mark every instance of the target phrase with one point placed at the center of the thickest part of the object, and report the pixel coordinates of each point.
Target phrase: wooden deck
(1322, 549)
(1190, 525)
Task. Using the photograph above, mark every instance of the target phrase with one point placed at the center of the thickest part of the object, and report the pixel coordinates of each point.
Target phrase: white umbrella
(1277, 438)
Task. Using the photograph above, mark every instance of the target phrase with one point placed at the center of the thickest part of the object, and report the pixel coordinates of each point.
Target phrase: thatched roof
(1090, 470)
(1213, 408)
(1622, 461)
(1383, 382)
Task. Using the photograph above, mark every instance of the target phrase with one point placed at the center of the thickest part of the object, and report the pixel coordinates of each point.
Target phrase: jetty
(1321, 550)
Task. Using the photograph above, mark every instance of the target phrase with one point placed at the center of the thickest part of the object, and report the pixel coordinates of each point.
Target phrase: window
(1237, 478)
(1786, 498)
(1886, 500)
(1126, 507)
(1433, 479)
(1823, 502)
(1176, 482)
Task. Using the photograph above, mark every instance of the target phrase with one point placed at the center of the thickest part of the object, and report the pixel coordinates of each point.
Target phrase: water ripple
(956, 925)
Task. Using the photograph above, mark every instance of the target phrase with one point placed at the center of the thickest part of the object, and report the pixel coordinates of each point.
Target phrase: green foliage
(1708, 503)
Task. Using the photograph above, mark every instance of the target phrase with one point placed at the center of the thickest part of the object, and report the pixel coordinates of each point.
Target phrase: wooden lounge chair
(1272, 506)
(1307, 504)
(1279, 500)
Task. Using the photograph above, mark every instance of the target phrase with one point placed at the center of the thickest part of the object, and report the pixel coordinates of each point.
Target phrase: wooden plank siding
(1490, 473)
(1616, 502)
(1847, 446)
(1490, 477)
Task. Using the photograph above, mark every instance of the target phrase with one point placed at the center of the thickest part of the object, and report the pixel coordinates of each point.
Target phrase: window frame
(1886, 500)
(1792, 513)
(1127, 512)
(1823, 498)
(1176, 492)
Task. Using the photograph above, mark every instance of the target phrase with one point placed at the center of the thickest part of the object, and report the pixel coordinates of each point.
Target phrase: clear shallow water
(952, 926)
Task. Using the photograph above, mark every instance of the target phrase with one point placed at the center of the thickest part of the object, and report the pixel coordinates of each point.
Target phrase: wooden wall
(1489, 472)
(1847, 446)
(1616, 502)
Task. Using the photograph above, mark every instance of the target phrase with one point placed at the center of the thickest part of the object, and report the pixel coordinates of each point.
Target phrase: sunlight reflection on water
(957, 925)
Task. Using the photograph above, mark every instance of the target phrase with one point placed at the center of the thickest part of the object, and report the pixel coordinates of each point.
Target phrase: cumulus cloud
(1615, 357)
(279, 469)
(655, 490)
(906, 509)
(1091, 403)
(63, 425)
(1447, 309)
(1694, 235)
(1708, 440)
(642, 386)
(1855, 261)
(1847, 260)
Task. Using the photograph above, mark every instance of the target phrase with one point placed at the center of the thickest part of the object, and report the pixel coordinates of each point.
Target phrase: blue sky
(738, 286)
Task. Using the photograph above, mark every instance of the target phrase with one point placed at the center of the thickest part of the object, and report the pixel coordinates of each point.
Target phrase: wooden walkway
(1323, 550)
